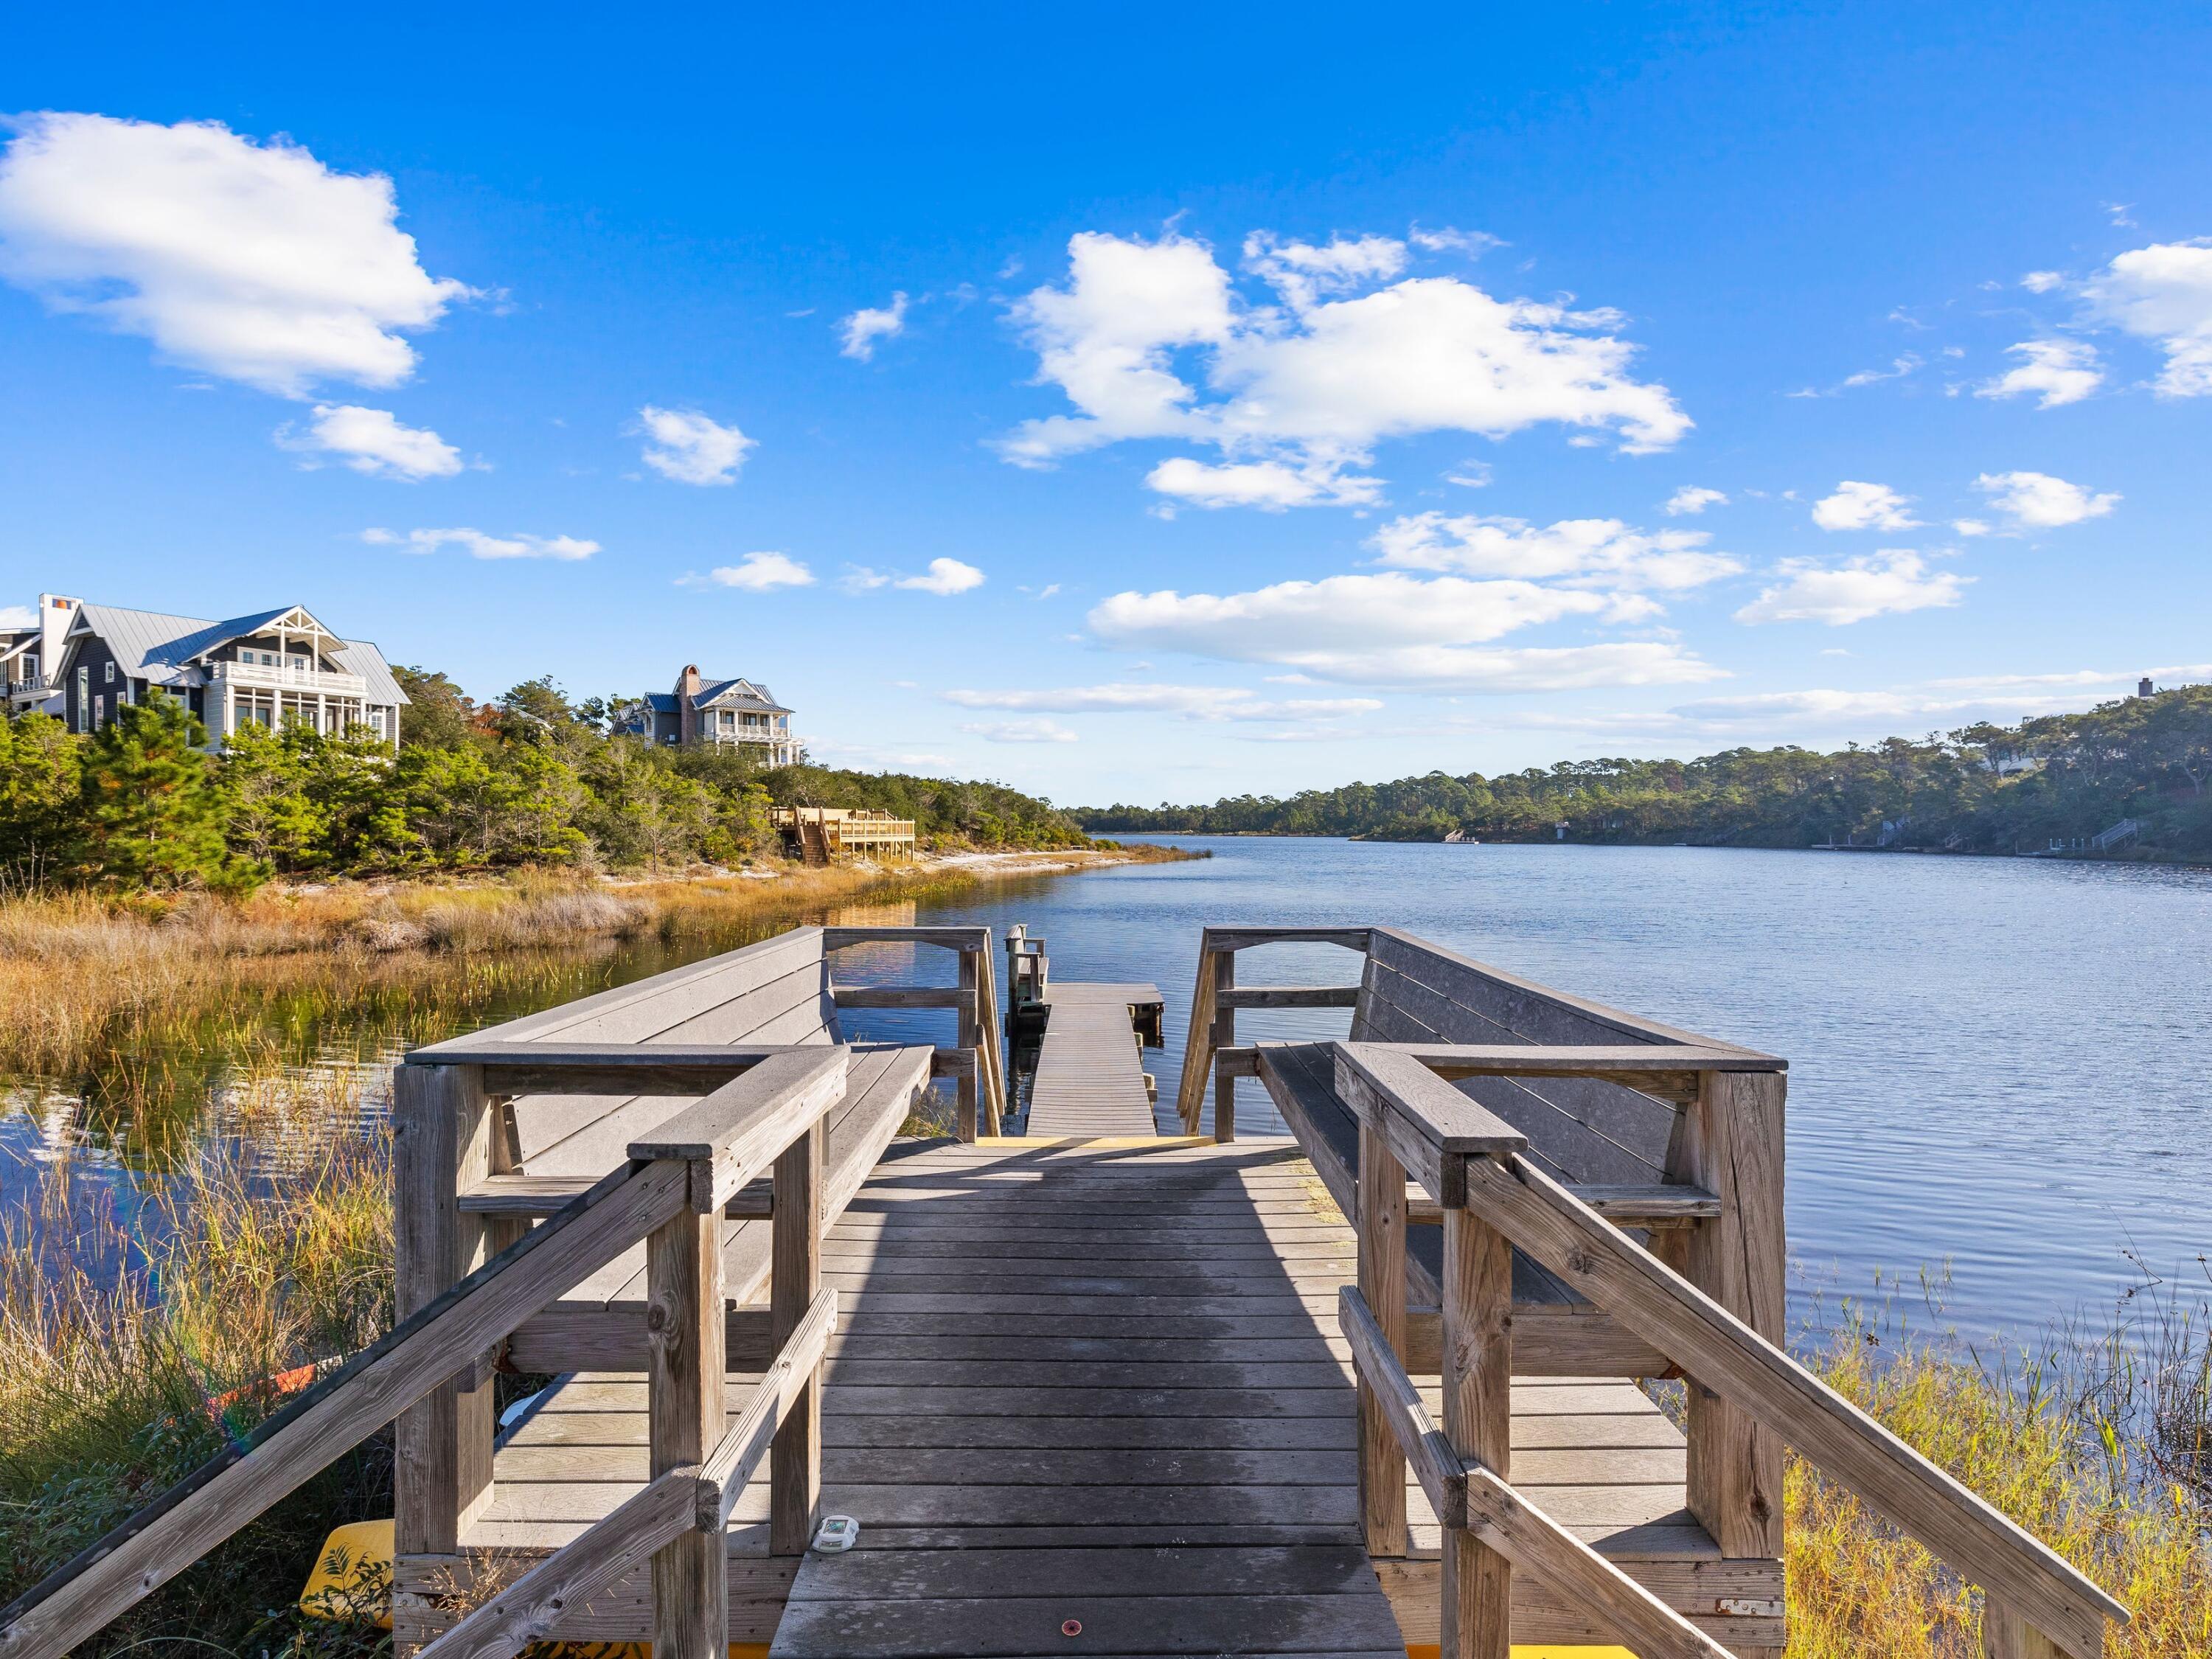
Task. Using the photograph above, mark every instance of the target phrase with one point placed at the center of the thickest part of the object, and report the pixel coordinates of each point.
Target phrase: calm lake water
(1998, 1068)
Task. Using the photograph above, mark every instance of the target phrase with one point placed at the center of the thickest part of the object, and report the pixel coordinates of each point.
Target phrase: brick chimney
(687, 716)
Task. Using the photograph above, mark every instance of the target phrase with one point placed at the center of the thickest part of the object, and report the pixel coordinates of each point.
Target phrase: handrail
(1466, 1494)
(691, 1169)
(976, 1000)
(1440, 1136)
(240, 1483)
(690, 1497)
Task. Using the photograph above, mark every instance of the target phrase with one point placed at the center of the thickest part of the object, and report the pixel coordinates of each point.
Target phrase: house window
(111, 673)
(83, 700)
(100, 711)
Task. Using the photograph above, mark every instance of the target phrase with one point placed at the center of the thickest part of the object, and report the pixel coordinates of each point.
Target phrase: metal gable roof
(148, 645)
(739, 690)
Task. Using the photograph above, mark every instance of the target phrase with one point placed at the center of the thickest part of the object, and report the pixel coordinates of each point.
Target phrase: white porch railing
(288, 676)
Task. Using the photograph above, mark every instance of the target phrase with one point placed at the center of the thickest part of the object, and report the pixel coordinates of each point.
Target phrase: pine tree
(40, 775)
(153, 809)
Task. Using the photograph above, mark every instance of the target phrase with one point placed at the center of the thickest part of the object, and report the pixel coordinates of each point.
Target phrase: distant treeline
(527, 779)
(1986, 788)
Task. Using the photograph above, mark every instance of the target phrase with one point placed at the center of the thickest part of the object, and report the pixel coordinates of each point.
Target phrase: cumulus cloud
(2042, 282)
(1857, 506)
(1036, 731)
(1198, 702)
(686, 446)
(18, 616)
(1889, 582)
(1579, 552)
(2053, 372)
(478, 545)
(1693, 499)
(371, 441)
(1295, 391)
(863, 328)
(251, 261)
(2036, 500)
(757, 573)
(1396, 630)
(2163, 293)
(1270, 486)
(945, 578)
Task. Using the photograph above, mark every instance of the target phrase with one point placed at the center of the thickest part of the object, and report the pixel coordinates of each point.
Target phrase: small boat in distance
(1460, 838)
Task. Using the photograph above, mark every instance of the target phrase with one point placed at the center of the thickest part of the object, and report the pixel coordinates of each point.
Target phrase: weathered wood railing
(976, 1061)
(1492, 1197)
(1217, 998)
(761, 1107)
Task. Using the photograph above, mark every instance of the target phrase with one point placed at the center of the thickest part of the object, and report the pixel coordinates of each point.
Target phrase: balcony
(288, 677)
(32, 686)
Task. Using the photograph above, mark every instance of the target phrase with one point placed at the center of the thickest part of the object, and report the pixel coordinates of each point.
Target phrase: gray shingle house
(83, 662)
(732, 712)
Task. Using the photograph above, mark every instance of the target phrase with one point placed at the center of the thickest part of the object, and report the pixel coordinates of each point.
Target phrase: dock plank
(1089, 1079)
(1100, 1381)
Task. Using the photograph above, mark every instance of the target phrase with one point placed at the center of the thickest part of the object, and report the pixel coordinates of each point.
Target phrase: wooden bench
(493, 1149)
(1693, 1165)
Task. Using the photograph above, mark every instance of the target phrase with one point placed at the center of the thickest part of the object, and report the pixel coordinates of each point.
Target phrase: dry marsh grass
(86, 981)
(2099, 1446)
(110, 1380)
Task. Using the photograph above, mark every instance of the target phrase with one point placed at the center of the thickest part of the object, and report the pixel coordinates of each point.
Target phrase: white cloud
(478, 545)
(1445, 240)
(1036, 731)
(251, 261)
(18, 616)
(1582, 552)
(945, 578)
(865, 326)
(1269, 485)
(372, 441)
(1694, 498)
(2036, 500)
(757, 573)
(1897, 369)
(2042, 282)
(1969, 526)
(1395, 630)
(1887, 582)
(686, 446)
(1198, 702)
(2163, 293)
(2054, 372)
(1856, 506)
(1296, 393)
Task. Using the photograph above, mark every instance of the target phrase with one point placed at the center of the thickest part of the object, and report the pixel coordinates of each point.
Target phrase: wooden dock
(1089, 1079)
(1368, 1388)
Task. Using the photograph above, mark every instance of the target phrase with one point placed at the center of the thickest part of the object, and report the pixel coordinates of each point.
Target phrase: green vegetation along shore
(528, 780)
(2058, 779)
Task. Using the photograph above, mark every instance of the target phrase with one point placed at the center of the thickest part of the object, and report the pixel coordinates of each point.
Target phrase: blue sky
(1277, 398)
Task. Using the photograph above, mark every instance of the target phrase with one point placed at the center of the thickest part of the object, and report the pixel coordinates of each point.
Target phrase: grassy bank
(86, 978)
(2101, 1447)
(105, 1383)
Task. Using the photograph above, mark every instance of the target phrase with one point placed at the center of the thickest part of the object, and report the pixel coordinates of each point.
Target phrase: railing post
(2006, 1635)
(1478, 1419)
(441, 1126)
(969, 1024)
(1224, 1035)
(1381, 1229)
(794, 1470)
(1198, 1050)
(1731, 1143)
(686, 1330)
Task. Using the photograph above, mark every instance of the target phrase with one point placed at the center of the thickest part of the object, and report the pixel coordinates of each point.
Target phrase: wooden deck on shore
(1101, 1380)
